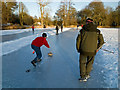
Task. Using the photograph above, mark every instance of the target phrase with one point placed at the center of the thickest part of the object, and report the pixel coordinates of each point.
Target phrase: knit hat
(89, 20)
(44, 35)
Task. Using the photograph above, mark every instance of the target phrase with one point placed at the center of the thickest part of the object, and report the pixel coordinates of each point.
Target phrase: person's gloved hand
(96, 50)
(33, 52)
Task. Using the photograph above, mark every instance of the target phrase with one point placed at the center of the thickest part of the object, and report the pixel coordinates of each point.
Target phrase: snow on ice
(108, 61)
(10, 46)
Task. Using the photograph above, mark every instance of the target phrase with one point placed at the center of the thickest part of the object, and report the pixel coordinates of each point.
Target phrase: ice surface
(11, 46)
(60, 71)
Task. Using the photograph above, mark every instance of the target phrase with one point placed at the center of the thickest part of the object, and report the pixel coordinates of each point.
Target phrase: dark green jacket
(89, 40)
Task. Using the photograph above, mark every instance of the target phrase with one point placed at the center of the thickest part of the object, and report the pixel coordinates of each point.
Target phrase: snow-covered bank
(11, 46)
(8, 32)
(109, 60)
(16, 31)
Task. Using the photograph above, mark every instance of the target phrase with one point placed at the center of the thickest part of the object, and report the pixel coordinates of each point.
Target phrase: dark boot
(33, 63)
(39, 60)
(83, 79)
(88, 76)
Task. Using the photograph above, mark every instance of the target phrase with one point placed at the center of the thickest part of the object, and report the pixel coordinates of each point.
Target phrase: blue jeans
(38, 52)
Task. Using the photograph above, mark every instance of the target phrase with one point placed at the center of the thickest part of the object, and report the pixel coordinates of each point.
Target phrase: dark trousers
(61, 29)
(57, 32)
(38, 52)
(33, 30)
(85, 63)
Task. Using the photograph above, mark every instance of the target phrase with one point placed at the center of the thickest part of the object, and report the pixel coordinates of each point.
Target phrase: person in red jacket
(36, 44)
(33, 29)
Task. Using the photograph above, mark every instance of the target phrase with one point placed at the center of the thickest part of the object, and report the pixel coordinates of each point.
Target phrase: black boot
(39, 60)
(33, 63)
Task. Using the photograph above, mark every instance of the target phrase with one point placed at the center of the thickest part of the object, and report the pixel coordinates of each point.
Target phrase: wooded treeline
(17, 13)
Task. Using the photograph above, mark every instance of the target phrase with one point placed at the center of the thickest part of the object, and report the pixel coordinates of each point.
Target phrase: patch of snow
(11, 46)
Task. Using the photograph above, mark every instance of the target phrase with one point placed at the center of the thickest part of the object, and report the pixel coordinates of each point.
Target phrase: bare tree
(10, 7)
(66, 13)
(42, 4)
(0, 14)
(22, 9)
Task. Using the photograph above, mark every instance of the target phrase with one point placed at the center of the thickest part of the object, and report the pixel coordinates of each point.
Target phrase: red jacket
(39, 41)
(32, 27)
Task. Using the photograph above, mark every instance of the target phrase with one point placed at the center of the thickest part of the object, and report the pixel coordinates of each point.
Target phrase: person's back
(87, 44)
(39, 41)
(61, 26)
(89, 39)
(57, 28)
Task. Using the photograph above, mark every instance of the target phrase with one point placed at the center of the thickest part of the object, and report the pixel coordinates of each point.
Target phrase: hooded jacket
(89, 40)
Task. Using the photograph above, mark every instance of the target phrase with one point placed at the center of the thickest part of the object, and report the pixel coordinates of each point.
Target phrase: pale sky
(33, 7)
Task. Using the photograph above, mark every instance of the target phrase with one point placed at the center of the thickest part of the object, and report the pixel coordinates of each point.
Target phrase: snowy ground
(105, 67)
(11, 46)
(110, 61)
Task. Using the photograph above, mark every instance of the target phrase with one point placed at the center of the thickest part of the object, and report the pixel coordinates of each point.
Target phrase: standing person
(82, 25)
(61, 27)
(77, 26)
(57, 28)
(33, 28)
(36, 45)
(44, 26)
(88, 42)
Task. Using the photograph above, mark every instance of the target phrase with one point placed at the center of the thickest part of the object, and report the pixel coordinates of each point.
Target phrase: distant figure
(82, 25)
(36, 44)
(33, 28)
(57, 28)
(44, 26)
(61, 27)
(77, 26)
(88, 42)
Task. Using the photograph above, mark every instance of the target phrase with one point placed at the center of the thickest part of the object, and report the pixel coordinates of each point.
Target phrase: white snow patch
(11, 46)
(109, 61)
(16, 31)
